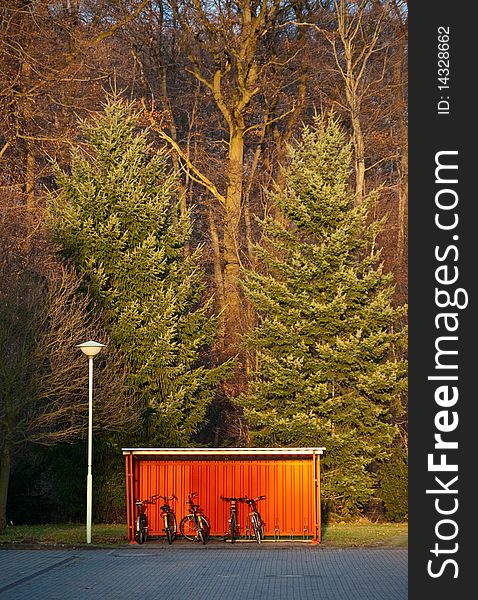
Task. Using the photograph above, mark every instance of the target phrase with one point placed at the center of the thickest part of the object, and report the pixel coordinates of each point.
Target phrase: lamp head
(91, 348)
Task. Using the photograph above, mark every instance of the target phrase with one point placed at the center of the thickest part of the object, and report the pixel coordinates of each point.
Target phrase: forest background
(223, 90)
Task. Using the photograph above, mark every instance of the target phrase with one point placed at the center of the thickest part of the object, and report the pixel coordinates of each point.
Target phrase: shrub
(393, 489)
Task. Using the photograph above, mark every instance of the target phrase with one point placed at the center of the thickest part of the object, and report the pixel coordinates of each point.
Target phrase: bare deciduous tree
(356, 39)
(43, 376)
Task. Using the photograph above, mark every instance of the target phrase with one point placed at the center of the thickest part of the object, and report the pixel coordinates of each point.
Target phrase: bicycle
(233, 525)
(141, 521)
(167, 514)
(255, 517)
(195, 525)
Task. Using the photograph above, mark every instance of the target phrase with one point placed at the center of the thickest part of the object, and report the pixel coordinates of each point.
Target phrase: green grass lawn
(365, 534)
(64, 534)
(335, 535)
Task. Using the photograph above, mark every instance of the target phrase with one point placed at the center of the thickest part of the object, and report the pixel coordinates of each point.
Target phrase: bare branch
(205, 181)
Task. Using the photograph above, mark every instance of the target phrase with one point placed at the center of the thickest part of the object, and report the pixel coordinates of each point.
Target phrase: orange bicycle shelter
(288, 477)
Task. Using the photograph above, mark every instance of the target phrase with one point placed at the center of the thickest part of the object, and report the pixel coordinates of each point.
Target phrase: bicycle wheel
(233, 528)
(145, 528)
(170, 528)
(138, 530)
(173, 525)
(256, 529)
(188, 528)
(203, 528)
(169, 535)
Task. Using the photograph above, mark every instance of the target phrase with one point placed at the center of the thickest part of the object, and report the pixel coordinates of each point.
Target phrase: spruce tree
(116, 217)
(328, 342)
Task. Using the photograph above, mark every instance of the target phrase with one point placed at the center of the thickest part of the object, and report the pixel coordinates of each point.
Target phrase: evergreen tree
(328, 341)
(116, 217)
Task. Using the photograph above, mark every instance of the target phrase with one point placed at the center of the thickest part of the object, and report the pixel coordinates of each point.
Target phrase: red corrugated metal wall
(288, 484)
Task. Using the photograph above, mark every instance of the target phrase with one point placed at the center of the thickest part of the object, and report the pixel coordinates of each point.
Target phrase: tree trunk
(400, 109)
(5, 465)
(175, 159)
(358, 144)
(218, 278)
(29, 187)
(402, 201)
(232, 218)
(29, 157)
(359, 148)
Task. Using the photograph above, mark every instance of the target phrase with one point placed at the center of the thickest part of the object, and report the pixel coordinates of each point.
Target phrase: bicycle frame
(233, 525)
(201, 525)
(141, 521)
(194, 510)
(252, 504)
(169, 518)
(255, 517)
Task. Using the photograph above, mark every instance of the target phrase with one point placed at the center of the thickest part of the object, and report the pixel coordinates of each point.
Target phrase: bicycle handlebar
(248, 500)
(244, 499)
(150, 500)
(233, 498)
(166, 498)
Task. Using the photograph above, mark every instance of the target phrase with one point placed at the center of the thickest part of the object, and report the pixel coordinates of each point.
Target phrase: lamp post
(90, 349)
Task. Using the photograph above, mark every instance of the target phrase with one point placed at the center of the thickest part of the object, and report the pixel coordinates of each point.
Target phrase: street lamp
(90, 349)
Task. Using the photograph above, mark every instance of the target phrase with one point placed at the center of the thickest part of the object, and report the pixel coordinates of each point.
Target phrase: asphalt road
(213, 572)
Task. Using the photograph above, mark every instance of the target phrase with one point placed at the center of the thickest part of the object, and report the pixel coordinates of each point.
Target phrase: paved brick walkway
(212, 572)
